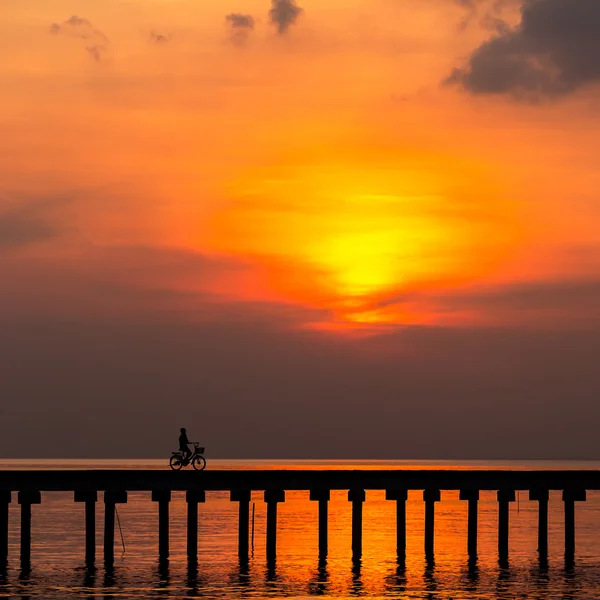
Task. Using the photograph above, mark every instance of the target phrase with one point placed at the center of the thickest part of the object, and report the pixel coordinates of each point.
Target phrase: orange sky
(325, 168)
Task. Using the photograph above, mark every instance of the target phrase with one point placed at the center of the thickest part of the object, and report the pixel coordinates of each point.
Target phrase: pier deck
(339, 479)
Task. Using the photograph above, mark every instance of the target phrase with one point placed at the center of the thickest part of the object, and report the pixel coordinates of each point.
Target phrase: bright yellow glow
(341, 235)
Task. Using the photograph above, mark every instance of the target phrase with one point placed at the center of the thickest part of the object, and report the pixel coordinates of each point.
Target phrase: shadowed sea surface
(58, 570)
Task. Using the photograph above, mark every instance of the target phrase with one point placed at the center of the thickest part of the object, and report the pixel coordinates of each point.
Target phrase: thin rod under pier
(111, 498)
(430, 497)
(472, 497)
(5, 499)
(542, 497)
(193, 498)
(322, 497)
(243, 497)
(357, 497)
(90, 499)
(163, 498)
(504, 498)
(571, 496)
(400, 496)
(272, 498)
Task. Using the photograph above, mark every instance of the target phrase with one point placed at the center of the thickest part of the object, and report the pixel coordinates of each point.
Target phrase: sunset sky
(259, 217)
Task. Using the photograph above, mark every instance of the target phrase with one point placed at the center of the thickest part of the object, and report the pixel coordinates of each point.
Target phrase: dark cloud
(573, 299)
(77, 27)
(552, 52)
(160, 38)
(570, 301)
(96, 52)
(25, 224)
(284, 13)
(487, 13)
(240, 27)
(240, 21)
(82, 28)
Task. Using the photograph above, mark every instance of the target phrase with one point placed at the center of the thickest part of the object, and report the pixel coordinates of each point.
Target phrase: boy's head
(182, 430)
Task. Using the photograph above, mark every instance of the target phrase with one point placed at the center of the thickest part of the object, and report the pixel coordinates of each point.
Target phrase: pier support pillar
(472, 497)
(5, 499)
(430, 497)
(243, 497)
(322, 497)
(26, 499)
(90, 499)
(357, 497)
(110, 500)
(400, 496)
(569, 499)
(163, 498)
(504, 499)
(272, 498)
(193, 498)
(542, 497)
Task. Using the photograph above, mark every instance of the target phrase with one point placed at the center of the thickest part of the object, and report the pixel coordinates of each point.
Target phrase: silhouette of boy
(183, 444)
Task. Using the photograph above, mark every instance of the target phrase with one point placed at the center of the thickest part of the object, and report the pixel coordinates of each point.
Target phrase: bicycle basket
(200, 450)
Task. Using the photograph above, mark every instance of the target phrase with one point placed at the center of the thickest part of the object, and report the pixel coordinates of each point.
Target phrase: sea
(58, 569)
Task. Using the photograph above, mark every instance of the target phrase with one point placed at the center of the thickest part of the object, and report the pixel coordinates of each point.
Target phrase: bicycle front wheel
(199, 463)
(176, 462)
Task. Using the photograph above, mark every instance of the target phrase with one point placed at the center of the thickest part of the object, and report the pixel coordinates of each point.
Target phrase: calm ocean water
(58, 545)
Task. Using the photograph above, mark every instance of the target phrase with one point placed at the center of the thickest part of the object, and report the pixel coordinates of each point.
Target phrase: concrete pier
(5, 499)
(569, 499)
(430, 497)
(504, 499)
(272, 498)
(357, 497)
(26, 499)
(472, 497)
(542, 497)
(322, 497)
(163, 498)
(90, 499)
(241, 483)
(193, 498)
(243, 497)
(400, 496)
(111, 498)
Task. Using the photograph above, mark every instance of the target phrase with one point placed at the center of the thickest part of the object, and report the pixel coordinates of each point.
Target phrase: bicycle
(197, 461)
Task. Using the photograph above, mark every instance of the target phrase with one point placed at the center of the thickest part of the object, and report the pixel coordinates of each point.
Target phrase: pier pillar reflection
(5, 499)
(110, 500)
(163, 498)
(430, 497)
(472, 497)
(400, 496)
(90, 499)
(272, 498)
(357, 497)
(26, 499)
(322, 497)
(569, 498)
(243, 497)
(193, 498)
(504, 499)
(542, 497)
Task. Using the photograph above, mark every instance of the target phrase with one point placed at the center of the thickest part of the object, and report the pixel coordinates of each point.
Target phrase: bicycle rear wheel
(199, 463)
